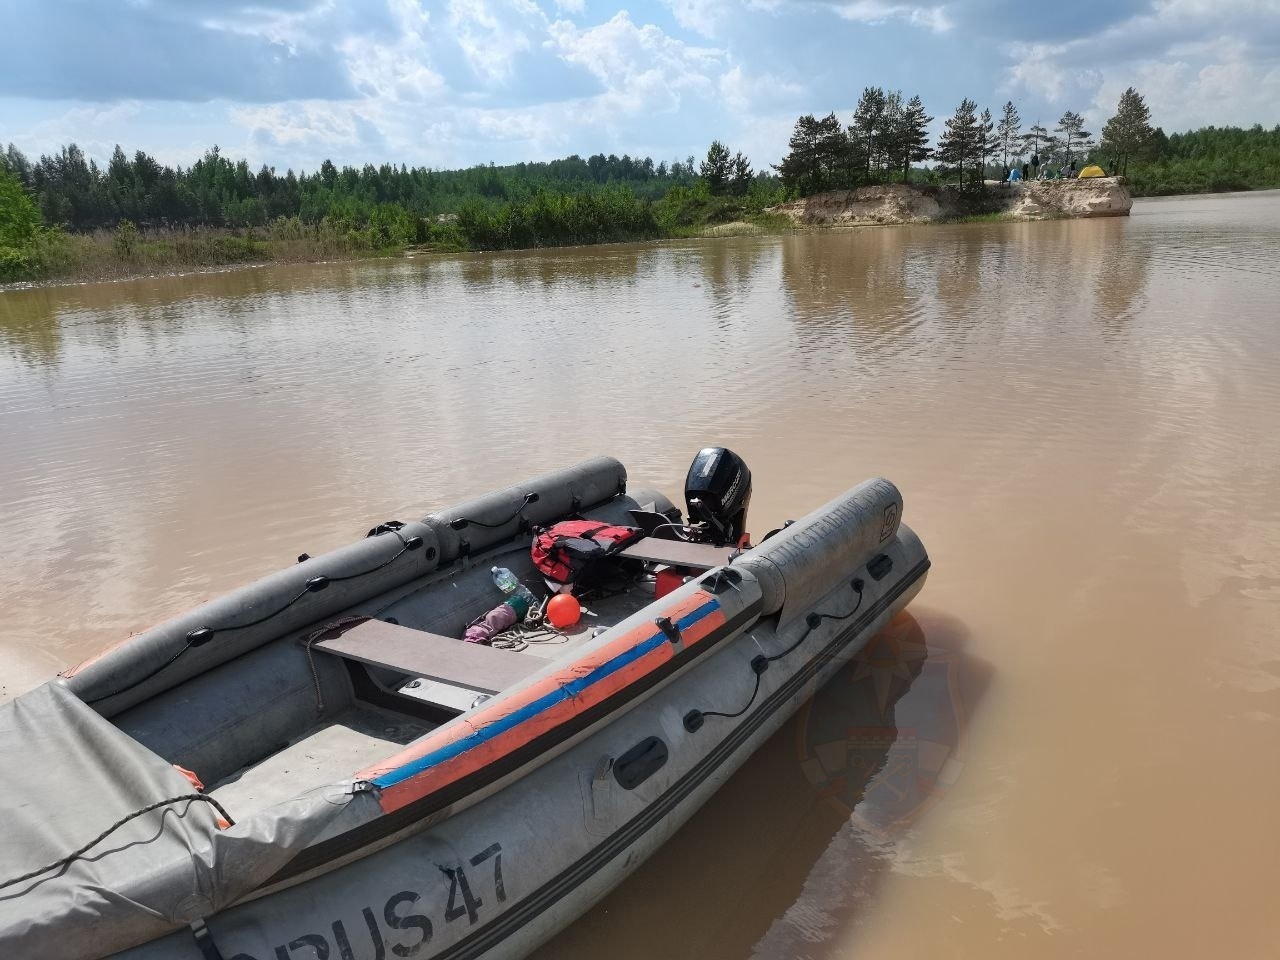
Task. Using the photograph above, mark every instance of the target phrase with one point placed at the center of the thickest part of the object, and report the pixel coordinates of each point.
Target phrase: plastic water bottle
(510, 584)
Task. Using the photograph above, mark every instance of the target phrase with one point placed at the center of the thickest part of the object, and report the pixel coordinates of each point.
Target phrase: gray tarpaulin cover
(66, 774)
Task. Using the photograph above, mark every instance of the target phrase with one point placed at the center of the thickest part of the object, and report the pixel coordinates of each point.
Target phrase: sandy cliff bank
(898, 203)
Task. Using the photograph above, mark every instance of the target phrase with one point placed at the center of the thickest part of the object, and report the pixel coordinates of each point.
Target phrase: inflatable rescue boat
(317, 766)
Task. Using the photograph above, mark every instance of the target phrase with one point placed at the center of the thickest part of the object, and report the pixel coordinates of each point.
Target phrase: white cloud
(308, 123)
(454, 82)
(407, 106)
(700, 16)
(877, 11)
(492, 33)
(93, 128)
(1195, 61)
(743, 91)
(1039, 69)
(289, 29)
(399, 72)
(641, 67)
(764, 139)
(1182, 96)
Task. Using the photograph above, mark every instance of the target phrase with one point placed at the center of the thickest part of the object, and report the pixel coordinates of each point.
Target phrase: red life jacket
(565, 552)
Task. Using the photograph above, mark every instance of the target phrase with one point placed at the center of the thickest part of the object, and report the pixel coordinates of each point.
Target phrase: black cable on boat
(759, 664)
(814, 620)
(320, 582)
(143, 679)
(73, 857)
(728, 716)
(463, 522)
(202, 635)
(413, 543)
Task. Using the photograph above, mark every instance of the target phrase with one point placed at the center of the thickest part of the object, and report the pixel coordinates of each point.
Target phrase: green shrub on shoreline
(688, 211)
(557, 219)
(20, 230)
(34, 253)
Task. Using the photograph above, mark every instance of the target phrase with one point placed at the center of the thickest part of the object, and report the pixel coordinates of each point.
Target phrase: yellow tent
(1093, 170)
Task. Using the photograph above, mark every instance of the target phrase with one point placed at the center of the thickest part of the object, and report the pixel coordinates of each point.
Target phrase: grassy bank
(43, 254)
(694, 211)
(127, 251)
(608, 215)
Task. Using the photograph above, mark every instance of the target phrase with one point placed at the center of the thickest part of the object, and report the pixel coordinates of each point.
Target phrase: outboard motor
(718, 492)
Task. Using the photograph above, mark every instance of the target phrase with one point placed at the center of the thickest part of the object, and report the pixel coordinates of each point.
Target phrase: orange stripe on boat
(493, 732)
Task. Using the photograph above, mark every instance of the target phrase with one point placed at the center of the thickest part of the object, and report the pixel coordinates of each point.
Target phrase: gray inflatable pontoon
(376, 787)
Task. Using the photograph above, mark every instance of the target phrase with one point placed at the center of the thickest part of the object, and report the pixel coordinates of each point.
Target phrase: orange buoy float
(563, 610)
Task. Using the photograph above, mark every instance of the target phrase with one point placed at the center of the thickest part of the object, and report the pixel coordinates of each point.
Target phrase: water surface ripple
(1081, 415)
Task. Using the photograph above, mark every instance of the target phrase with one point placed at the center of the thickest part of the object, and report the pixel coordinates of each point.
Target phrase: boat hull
(496, 878)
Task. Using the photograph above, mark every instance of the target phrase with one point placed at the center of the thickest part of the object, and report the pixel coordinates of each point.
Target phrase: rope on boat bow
(73, 857)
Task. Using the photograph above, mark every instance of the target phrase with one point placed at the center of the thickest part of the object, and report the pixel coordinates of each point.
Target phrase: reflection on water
(1080, 415)
(743, 866)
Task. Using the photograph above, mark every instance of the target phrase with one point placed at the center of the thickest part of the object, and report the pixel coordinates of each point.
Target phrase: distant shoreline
(773, 225)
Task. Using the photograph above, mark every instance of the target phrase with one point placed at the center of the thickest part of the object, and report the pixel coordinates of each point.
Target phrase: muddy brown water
(1070, 749)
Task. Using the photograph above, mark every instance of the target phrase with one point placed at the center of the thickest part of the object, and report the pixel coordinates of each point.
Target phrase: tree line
(45, 204)
(887, 134)
(73, 192)
(1209, 160)
(886, 138)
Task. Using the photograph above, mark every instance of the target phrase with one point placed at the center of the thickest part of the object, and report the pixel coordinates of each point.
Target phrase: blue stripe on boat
(529, 710)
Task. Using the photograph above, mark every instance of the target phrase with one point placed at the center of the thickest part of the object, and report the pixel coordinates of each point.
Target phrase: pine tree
(739, 175)
(835, 153)
(913, 143)
(1074, 135)
(959, 143)
(820, 156)
(716, 169)
(888, 138)
(17, 163)
(866, 129)
(986, 141)
(800, 169)
(1036, 142)
(1009, 134)
(1128, 135)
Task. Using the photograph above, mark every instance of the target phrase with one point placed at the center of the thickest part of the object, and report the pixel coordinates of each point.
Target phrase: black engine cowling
(717, 492)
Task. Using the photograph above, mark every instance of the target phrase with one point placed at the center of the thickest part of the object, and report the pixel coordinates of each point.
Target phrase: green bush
(20, 230)
(685, 210)
(446, 236)
(557, 219)
(127, 239)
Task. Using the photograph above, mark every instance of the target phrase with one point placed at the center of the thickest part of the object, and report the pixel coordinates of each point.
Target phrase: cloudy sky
(454, 82)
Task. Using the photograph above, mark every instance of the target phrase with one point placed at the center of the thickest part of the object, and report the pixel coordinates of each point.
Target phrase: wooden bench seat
(432, 656)
(678, 553)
